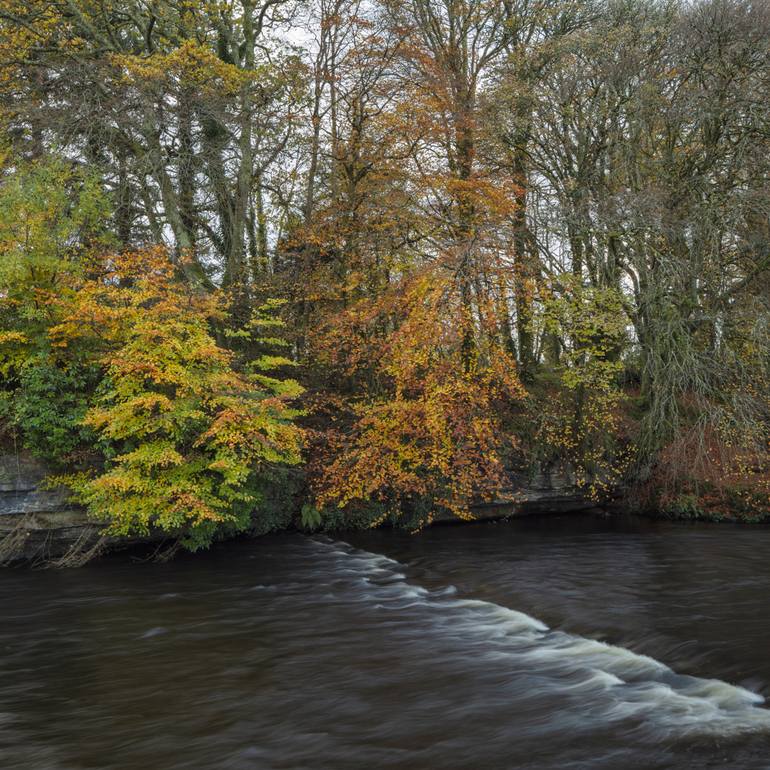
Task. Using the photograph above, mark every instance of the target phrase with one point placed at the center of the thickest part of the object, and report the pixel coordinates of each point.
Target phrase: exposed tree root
(90, 544)
(12, 543)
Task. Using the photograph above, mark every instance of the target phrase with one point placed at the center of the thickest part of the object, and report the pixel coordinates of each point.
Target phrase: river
(549, 642)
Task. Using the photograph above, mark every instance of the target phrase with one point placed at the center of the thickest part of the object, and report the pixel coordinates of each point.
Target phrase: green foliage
(359, 515)
(52, 219)
(278, 488)
(592, 322)
(581, 424)
(310, 517)
(49, 407)
(683, 506)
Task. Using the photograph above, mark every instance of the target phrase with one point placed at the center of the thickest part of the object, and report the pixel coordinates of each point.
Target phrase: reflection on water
(545, 643)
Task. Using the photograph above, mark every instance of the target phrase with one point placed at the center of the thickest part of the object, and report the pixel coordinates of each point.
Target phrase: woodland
(337, 263)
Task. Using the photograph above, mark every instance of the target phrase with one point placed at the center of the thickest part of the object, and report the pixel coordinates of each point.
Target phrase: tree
(427, 432)
(183, 109)
(573, 192)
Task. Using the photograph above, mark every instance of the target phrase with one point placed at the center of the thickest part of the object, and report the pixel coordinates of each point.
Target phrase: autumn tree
(424, 433)
(497, 234)
(188, 441)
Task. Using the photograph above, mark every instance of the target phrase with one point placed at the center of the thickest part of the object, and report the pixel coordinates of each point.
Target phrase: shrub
(189, 441)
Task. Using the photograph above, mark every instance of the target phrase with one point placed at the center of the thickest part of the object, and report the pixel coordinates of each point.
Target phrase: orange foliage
(428, 433)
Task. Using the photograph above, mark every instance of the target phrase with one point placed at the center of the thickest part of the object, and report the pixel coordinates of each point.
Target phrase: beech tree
(188, 439)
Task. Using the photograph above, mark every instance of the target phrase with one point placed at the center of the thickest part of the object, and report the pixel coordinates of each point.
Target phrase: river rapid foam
(614, 683)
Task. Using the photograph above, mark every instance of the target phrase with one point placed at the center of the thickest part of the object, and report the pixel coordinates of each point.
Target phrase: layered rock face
(37, 524)
(549, 491)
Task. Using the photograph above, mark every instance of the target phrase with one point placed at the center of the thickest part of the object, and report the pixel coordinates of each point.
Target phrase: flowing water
(555, 642)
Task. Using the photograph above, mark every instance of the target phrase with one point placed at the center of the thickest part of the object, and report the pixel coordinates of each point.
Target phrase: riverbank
(40, 527)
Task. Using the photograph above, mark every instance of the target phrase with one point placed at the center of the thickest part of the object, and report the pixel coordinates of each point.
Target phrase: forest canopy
(380, 260)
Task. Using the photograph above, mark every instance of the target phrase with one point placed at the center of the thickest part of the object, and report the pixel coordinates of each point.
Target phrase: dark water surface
(558, 642)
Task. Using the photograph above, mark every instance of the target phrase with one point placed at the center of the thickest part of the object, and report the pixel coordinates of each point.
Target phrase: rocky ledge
(37, 524)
